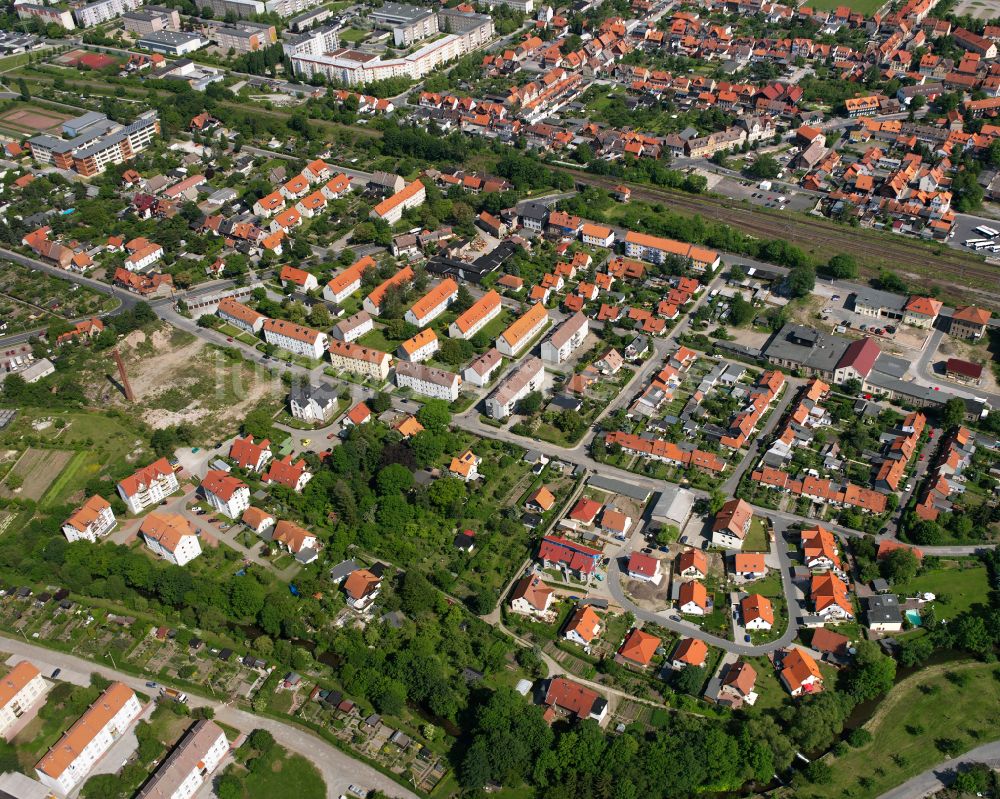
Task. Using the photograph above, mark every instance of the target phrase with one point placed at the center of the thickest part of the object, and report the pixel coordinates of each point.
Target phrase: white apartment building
(345, 283)
(523, 331)
(242, 316)
(190, 765)
(421, 347)
(359, 360)
(566, 339)
(67, 764)
(480, 313)
(103, 10)
(148, 486)
(170, 536)
(20, 692)
(391, 208)
(480, 371)
(408, 24)
(434, 303)
(226, 493)
(428, 381)
(141, 258)
(312, 403)
(528, 377)
(353, 327)
(295, 338)
(93, 520)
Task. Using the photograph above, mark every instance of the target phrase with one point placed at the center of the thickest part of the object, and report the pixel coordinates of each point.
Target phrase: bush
(859, 737)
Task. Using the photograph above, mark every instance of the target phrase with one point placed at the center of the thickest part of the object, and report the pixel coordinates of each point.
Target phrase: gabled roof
(692, 558)
(532, 590)
(585, 623)
(641, 563)
(755, 607)
(692, 651)
(222, 484)
(695, 592)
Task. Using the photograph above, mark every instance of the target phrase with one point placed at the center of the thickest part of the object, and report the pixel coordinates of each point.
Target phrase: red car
(229, 338)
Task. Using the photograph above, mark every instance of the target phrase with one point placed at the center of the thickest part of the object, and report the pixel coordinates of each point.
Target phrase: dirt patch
(179, 379)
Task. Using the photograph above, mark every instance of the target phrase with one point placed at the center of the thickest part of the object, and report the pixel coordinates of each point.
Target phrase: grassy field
(353, 35)
(958, 585)
(929, 710)
(82, 466)
(756, 540)
(282, 776)
(37, 469)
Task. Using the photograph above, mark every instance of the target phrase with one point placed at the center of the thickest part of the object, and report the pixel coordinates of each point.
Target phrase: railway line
(958, 274)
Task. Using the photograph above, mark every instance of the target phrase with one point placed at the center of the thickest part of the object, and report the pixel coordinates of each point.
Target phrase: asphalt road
(943, 774)
(338, 769)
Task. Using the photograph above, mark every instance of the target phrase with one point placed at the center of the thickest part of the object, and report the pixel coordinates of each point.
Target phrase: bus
(972, 242)
(987, 231)
(982, 245)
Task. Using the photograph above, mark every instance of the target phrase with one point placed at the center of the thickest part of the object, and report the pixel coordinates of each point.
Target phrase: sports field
(26, 119)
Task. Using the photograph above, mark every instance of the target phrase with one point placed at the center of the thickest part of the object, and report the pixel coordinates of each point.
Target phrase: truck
(171, 693)
(764, 185)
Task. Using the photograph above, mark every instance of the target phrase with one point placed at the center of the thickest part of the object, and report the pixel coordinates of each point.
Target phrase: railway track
(958, 274)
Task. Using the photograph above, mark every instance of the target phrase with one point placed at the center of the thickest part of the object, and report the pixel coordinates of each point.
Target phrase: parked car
(150, 684)
(746, 638)
(56, 673)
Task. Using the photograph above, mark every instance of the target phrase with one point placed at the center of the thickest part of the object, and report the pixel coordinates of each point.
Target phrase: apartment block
(148, 486)
(558, 347)
(516, 337)
(295, 338)
(528, 377)
(93, 520)
(359, 360)
(428, 381)
(68, 763)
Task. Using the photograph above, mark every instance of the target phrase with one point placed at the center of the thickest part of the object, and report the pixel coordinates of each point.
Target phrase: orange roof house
(639, 647)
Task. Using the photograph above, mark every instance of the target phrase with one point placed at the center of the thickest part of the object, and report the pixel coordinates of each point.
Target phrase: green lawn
(377, 340)
(284, 776)
(352, 35)
(82, 466)
(958, 584)
(921, 713)
(756, 540)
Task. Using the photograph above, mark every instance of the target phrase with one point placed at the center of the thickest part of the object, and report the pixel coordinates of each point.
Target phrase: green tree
(801, 280)
(842, 267)
(953, 413)
(530, 404)
(899, 566)
(22, 87)
(766, 167)
(434, 415)
(394, 479)
(872, 672)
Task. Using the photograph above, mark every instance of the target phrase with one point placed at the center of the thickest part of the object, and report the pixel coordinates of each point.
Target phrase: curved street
(338, 768)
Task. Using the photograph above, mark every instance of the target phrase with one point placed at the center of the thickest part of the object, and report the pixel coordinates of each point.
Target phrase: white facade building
(295, 338)
(566, 339)
(148, 486)
(226, 493)
(190, 765)
(71, 759)
(529, 377)
(170, 536)
(20, 692)
(428, 381)
(91, 521)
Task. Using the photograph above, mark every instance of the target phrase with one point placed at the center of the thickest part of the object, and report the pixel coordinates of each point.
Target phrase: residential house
(148, 486)
(639, 648)
(692, 599)
(362, 588)
(291, 475)
(170, 536)
(583, 627)
(690, 652)
(226, 493)
(531, 597)
(732, 524)
(692, 563)
(757, 612)
(799, 672)
(93, 520)
(250, 455)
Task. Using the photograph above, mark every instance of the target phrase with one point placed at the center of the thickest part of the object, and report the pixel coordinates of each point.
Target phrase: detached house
(690, 652)
(757, 612)
(362, 588)
(732, 524)
(531, 596)
(692, 599)
(304, 281)
(291, 475)
(799, 673)
(301, 543)
(583, 627)
(250, 456)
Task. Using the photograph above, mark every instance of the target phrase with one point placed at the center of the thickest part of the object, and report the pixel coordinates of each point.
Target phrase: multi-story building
(151, 19)
(732, 524)
(373, 302)
(47, 14)
(434, 303)
(245, 37)
(558, 347)
(391, 208)
(359, 360)
(67, 764)
(528, 377)
(170, 536)
(408, 24)
(480, 313)
(596, 235)
(345, 283)
(250, 455)
(148, 486)
(291, 474)
(295, 338)
(93, 520)
(353, 327)
(420, 347)
(226, 493)
(21, 691)
(480, 371)
(969, 322)
(103, 10)
(314, 42)
(190, 764)
(241, 9)
(428, 381)
(242, 316)
(657, 250)
(479, 27)
(354, 67)
(92, 147)
(516, 337)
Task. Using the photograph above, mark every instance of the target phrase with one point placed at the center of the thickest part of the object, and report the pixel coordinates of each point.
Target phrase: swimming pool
(913, 617)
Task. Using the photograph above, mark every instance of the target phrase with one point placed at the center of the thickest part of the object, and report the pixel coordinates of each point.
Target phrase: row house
(295, 338)
(428, 381)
